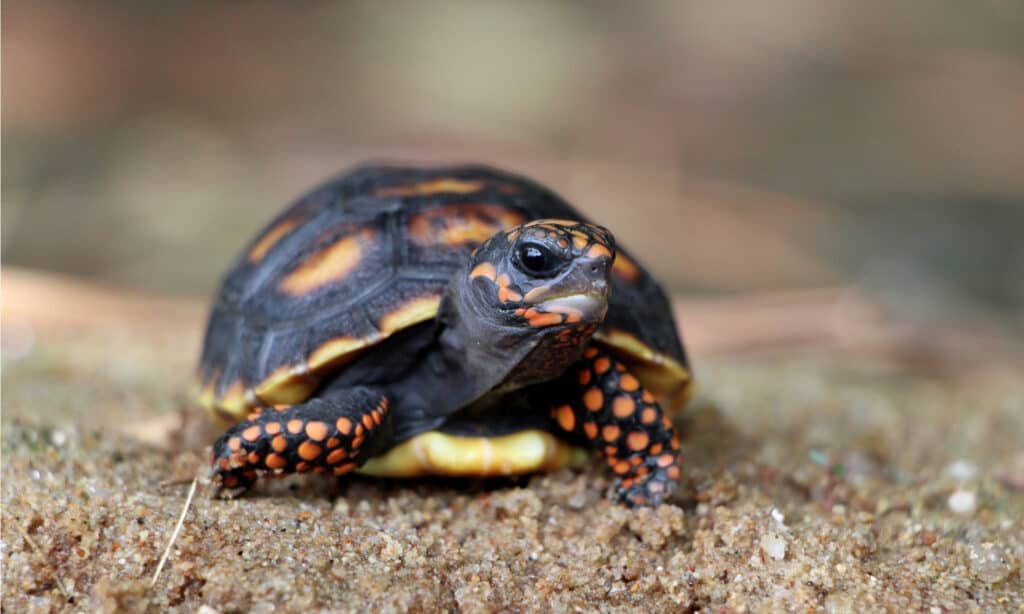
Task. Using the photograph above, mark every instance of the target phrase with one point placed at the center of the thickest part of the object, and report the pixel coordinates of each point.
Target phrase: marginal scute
(270, 238)
(625, 269)
(287, 385)
(669, 380)
(413, 312)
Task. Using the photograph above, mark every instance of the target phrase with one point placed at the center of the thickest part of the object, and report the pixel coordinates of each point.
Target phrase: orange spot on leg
(309, 451)
(566, 418)
(623, 406)
(637, 440)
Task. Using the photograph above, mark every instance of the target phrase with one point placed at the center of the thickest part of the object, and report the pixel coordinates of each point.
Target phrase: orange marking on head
(623, 406)
(666, 459)
(628, 382)
(621, 467)
(309, 451)
(506, 295)
(344, 426)
(536, 294)
(593, 399)
(442, 185)
(602, 364)
(254, 458)
(343, 469)
(484, 269)
(580, 240)
(275, 461)
(270, 238)
(542, 319)
(337, 456)
(235, 444)
(331, 264)
(584, 377)
(610, 432)
(295, 426)
(597, 251)
(649, 415)
(272, 428)
(316, 430)
(279, 443)
(590, 429)
(252, 433)
(637, 441)
(566, 418)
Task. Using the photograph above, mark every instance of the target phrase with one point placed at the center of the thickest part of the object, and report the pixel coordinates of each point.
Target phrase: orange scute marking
(331, 264)
(597, 250)
(637, 440)
(295, 426)
(308, 451)
(623, 406)
(344, 426)
(628, 382)
(566, 418)
(484, 269)
(593, 399)
(462, 224)
(269, 239)
(252, 433)
(275, 461)
(316, 430)
(443, 185)
(625, 268)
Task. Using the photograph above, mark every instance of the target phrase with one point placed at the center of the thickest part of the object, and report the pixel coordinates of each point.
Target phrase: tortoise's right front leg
(328, 434)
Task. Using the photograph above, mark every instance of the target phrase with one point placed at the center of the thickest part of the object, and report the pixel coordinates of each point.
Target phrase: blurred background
(738, 150)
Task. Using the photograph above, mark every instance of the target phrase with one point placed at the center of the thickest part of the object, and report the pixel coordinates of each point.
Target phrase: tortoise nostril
(593, 268)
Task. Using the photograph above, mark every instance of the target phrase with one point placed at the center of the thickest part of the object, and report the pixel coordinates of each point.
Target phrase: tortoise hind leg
(333, 434)
(602, 402)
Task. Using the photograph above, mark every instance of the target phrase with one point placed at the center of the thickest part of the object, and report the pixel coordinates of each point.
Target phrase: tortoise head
(539, 277)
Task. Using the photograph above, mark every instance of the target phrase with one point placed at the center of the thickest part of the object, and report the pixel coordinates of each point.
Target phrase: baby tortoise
(455, 321)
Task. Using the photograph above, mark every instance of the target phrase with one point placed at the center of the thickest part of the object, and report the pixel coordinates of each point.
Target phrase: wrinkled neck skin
(494, 352)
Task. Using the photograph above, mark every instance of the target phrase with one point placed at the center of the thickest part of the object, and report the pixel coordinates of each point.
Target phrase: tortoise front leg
(605, 404)
(328, 434)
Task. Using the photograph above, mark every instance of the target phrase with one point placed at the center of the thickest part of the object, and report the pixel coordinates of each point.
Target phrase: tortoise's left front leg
(601, 401)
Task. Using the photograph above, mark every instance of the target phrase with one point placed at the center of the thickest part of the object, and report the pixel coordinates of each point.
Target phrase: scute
(367, 255)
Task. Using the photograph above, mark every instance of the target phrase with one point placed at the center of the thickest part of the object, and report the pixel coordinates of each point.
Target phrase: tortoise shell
(368, 254)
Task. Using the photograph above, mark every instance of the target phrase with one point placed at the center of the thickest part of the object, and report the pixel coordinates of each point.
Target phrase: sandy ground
(814, 482)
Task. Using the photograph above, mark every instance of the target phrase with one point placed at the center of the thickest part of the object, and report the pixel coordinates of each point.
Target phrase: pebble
(774, 545)
(989, 562)
(962, 470)
(962, 502)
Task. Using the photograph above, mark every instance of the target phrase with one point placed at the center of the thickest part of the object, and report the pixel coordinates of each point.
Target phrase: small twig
(174, 535)
(60, 585)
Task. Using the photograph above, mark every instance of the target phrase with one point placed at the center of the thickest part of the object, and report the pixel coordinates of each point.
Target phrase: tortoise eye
(536, 259)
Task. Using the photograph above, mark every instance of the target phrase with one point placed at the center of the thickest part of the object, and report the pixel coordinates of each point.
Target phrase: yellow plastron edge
(435, 453)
